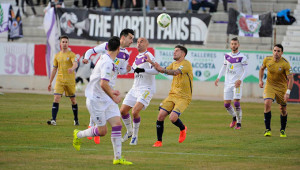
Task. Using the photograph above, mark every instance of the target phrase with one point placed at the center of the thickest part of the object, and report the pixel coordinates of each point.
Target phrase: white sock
(116, 141)
(136, 126)
(90, 132)
(231, 111)
(239, 114)
(91, 122)
(127, 122)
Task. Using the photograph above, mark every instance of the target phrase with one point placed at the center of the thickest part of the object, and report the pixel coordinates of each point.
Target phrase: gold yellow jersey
(64, 61)
(182, 84)
(277, 73)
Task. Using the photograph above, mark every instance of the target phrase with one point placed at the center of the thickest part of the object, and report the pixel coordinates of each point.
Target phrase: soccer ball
(163, 20)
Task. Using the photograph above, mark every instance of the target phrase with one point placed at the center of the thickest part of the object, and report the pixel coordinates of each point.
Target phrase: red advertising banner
(40, 60)
(295, 93)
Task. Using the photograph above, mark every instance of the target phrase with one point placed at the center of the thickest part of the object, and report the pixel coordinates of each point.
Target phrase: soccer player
(64, 64)
(102, 102)
(235, 68)
(279, 72)
(141, 93)
(121, 61)
(180, 94)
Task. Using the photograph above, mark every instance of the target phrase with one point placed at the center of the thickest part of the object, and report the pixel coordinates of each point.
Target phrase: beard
(234, 49)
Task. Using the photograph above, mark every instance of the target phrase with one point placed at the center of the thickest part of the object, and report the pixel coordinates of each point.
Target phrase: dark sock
(75, 111)
(234, 118)
(268, 120)
(283, 120)
(55, 107)
(179, 124)
(159, 129)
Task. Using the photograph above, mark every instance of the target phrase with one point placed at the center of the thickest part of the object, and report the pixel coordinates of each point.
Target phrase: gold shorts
(69, 90)
(271, 93)
(178, 105)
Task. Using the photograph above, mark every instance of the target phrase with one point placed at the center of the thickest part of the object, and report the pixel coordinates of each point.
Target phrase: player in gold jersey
(64, 65)
(279, 73)
(180, 94)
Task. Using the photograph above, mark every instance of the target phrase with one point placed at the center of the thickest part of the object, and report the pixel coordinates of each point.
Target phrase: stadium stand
(291, 40)
(216, 38)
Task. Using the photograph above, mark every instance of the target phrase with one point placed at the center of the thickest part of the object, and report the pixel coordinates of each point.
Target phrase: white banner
(207, 63)
(16, 59)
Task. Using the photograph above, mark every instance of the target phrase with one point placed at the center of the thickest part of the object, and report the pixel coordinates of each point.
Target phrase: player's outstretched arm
(87, 56)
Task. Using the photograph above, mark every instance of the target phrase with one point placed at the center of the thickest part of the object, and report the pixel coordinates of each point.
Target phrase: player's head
(179, 52)
(142, 44)
(64, 42)
(234, 44)
(277, 51)
(114, 44)
(126, 37)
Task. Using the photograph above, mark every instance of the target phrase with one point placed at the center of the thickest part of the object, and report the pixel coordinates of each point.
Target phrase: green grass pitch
(27, 142)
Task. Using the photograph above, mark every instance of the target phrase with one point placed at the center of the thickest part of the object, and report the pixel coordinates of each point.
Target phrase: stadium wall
(24, 66)
(200, 89)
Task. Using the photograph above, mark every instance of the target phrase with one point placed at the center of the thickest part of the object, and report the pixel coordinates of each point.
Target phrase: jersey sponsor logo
(180, 67)
(117, 62)
(279, 68)
(139, 75)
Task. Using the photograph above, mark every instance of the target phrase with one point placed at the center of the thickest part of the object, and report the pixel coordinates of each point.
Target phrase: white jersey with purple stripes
(234, 67)
(144, 80)
(121, 60)
(105, 69)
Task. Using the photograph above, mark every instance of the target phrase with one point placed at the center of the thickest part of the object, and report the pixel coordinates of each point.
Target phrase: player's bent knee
(236, 104)
(102, 130)
(226, 105)
(173, 117)
(283, 110)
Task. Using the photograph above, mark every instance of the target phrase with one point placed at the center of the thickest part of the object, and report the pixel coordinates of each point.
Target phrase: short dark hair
(126, 31)
(182, 48)
(113, 43)
(279, 46)
(235, 39)
(63, 36)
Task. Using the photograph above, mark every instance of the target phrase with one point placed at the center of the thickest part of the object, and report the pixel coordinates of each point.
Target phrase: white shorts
(143, 96)
(230, 92)
(102, 111)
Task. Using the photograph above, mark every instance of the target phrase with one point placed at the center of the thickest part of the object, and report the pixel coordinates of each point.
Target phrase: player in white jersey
(235, 68)
(141, 93)
(121, 61)
(102, 102)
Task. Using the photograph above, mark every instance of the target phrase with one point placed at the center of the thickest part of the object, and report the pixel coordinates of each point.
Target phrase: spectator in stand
(38, 3)
(224, 4)
(30, 3)
(244, 4)
(197, 4)
(162, 4)
(136, 4)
